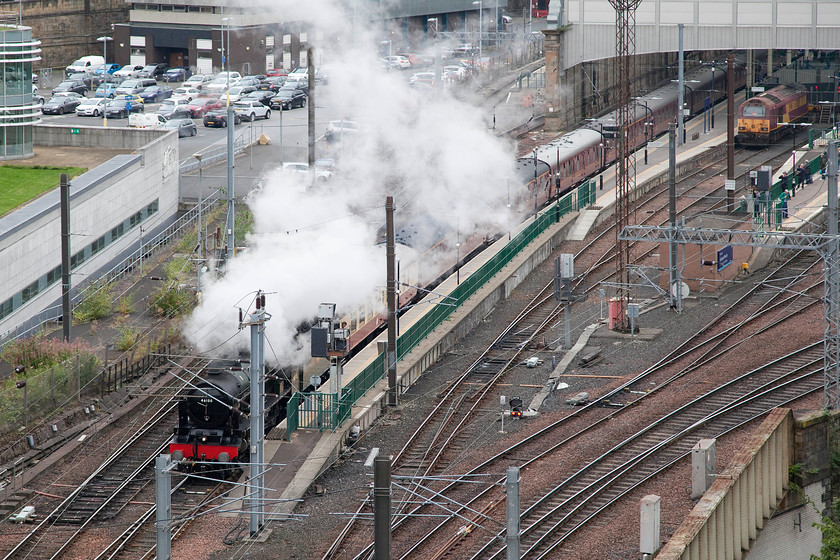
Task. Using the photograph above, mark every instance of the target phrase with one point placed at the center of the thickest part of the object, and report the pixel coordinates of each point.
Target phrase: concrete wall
(99, 200)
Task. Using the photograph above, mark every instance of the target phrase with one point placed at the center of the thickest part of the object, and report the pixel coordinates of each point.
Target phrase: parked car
(153, 70)
(198, 81)
(83, 77)
(337, 130)
(135, 86)
(62, 103)
(121, 108)
(199, 107)
(129, 71)
(217, 118)
(156, 94)
(185, 127)
(302, 168)
(106, 90)
(99, 79)
(288, 99)
(272, 83)
(76, 86)
(249, 81)
(177, 74)
(276, 72)
(109, 68)
(398, 61)
(263, 97)
(302, 85)
(174, 109)
(250, 110)
(92, 107)
(235, 93)
(427, 78)
(188, 93)
(221, 82)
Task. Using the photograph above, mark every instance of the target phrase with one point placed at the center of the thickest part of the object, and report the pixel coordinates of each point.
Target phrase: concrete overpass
(580, 40)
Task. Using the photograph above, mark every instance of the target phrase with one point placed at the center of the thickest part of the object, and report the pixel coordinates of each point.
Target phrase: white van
(142, 120)
(86, 64)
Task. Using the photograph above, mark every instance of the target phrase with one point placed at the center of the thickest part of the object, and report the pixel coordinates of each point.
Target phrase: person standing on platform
(756, 205)
(783, 202)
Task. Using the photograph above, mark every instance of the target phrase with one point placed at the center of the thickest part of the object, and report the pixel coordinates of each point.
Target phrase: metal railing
(219, 153)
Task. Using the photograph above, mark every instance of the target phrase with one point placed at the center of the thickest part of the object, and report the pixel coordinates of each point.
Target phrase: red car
(276, 72)
(199, 106)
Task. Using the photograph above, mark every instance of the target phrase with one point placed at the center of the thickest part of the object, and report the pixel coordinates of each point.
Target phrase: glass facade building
(18, 109)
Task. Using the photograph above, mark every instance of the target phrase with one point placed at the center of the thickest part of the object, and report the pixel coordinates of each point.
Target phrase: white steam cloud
(434, 154)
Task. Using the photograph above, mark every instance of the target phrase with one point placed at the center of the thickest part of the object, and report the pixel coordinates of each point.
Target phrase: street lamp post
(231, 238)
(480, 5)
(104, 40)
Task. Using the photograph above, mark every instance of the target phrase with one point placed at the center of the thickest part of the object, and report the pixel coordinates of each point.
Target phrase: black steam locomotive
(213, 417)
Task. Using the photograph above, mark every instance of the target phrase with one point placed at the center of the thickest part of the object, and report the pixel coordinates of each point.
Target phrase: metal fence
(219, 153)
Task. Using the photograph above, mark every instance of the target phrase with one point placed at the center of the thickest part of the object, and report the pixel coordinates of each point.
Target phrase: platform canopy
(709, 25)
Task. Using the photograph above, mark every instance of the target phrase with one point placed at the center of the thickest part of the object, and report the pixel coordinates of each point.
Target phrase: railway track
(103, 494)
(779, 296)
(450, 428)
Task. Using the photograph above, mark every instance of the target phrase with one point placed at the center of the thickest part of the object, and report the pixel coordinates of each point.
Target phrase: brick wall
(68, 29)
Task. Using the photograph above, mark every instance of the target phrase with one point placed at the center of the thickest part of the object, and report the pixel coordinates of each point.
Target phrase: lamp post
(480, 5)
(648, 123)
(104, 40)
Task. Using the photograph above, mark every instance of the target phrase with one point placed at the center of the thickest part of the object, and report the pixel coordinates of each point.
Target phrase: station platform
(296, 464)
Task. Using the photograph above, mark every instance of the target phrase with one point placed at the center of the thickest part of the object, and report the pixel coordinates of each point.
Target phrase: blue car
(109, 68)
(156, 94)
(107, 90)
(177, 74)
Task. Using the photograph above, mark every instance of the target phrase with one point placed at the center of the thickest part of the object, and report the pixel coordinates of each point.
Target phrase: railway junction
(465, 383)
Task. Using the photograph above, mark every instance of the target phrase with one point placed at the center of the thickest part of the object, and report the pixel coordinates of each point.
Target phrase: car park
(156, 94)
(62, 103)
(188, 93)
(106, 90)
(217, 118)
(177, 74)
(153, 70)
(129, 71)
(75, 86)
(174, 109)
(250, 110)
(92, 107)
(121, 108)
(286, 99)
(198, 81)
(199, 107)
(185, 127)
(259, 96)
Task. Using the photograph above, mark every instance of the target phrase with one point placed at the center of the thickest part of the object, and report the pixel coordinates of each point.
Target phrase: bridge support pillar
(559, 111)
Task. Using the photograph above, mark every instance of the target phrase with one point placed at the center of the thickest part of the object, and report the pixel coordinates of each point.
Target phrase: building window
(29, 292)
(54, 275)
(151, 208)
(97, 245)
(6, 308)
(135, 219)
(117, 232)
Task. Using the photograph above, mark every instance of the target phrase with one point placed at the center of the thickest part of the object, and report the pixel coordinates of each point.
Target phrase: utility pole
(681, 88)
(674, 288)
(382, 508)
(390, 257)
(163, 508)
(512, 507)
(831, 365)
(66, 318)
(231, 157)
(256, 484)
(730, 127)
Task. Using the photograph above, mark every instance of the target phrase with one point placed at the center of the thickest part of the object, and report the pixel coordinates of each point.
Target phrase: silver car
(92, 107)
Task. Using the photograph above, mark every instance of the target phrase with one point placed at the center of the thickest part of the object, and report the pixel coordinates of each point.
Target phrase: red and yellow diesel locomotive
(763, 119)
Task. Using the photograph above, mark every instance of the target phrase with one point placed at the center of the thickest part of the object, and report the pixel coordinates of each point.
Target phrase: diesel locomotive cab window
(753, 111)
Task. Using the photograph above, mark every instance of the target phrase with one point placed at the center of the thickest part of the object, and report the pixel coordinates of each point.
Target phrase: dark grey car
(185, 127)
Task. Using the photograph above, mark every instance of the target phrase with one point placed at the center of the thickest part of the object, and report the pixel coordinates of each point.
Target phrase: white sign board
(729, 184)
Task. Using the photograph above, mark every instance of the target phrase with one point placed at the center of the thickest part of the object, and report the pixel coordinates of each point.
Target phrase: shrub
(125, 305)
(41, 352)
(128, 338)
(97, 304)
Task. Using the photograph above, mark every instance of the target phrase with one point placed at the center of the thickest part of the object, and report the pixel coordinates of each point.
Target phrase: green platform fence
(328, 413)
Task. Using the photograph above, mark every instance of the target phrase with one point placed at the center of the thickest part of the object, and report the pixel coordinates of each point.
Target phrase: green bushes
(97, 304)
